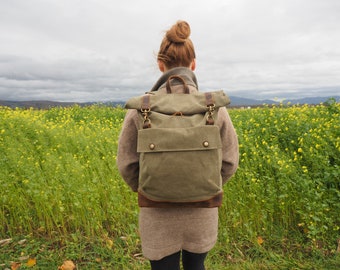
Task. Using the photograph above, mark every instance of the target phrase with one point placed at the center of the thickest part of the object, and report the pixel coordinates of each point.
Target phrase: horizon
(277, 100)
(118, 97)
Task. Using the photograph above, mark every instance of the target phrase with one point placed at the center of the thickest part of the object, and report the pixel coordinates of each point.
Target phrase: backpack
(179, 144)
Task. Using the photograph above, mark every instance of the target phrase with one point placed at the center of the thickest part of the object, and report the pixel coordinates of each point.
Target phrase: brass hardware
(205, 144)
(178, 114)
(146, 121)
(152, 146)
(210, 119)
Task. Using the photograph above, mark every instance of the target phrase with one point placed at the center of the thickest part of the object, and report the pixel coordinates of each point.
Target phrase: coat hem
(156, 254)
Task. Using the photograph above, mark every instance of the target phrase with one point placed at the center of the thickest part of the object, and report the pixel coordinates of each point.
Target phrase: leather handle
(179, 78)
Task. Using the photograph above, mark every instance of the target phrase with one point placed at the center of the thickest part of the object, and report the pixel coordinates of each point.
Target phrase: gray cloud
(98, 50)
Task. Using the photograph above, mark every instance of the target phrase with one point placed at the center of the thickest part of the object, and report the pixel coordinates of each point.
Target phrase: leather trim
(215, 201)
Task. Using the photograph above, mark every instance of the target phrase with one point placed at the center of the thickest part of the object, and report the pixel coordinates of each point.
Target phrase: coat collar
(185, 73)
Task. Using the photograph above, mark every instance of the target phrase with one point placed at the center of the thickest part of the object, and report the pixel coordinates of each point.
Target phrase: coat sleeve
(127, 156)
(230, 148)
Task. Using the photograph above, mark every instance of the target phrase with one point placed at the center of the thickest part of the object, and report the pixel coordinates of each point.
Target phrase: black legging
(190, 261)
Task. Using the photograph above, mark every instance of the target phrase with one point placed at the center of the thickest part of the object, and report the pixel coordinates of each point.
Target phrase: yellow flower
(304, 168)
(260, 240)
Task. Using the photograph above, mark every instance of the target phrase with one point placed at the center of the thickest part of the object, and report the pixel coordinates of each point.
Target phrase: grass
(63, 199)
(101, 253)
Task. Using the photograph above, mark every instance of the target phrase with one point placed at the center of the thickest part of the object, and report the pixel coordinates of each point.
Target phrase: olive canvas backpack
(179, 144)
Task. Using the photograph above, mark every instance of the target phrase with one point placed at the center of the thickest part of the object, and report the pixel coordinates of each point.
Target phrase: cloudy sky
(100, 50)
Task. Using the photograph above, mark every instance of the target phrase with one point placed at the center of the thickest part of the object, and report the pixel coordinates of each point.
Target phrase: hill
(45, 104)
(235, 102)
(238, 101)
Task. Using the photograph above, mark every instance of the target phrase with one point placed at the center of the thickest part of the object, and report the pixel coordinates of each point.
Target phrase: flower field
(59, 182)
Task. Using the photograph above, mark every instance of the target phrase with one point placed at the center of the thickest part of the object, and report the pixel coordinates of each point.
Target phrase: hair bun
(179, 32)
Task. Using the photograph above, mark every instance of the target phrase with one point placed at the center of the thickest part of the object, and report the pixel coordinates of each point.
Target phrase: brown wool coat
(165, 231)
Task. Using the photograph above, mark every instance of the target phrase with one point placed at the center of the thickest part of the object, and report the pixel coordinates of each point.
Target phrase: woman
(169, 232)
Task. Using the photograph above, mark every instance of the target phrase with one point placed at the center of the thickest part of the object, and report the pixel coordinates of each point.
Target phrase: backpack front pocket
(180, 164)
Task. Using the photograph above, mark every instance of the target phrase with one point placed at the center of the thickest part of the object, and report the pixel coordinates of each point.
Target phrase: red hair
(177, 49)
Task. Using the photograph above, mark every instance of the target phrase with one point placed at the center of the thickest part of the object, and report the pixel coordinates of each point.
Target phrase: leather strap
(209, 101)
(145, 102)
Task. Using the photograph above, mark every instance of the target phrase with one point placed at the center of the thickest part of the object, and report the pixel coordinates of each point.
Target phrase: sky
(106, 50)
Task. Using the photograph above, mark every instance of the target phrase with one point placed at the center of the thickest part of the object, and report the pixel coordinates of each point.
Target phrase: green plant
(61, 193)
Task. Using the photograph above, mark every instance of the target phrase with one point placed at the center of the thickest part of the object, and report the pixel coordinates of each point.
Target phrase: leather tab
(210, 121)
(209, 101)
(145, 102)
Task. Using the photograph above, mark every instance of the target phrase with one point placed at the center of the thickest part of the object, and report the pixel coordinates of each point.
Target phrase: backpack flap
(180, 164)
(186, 103)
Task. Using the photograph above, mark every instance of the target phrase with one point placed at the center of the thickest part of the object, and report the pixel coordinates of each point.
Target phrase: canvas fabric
(179, 145)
